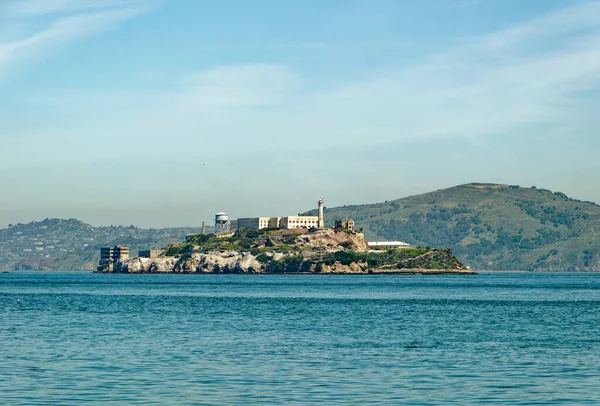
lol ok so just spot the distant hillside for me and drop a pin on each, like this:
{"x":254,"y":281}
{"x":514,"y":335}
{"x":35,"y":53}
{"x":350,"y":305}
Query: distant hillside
{"x":487,"y":226}
{"x":495,"y":227}
{"x":74,"y":245}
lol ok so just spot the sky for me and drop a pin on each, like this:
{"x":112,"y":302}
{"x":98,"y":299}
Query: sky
{"x":163,"y":112}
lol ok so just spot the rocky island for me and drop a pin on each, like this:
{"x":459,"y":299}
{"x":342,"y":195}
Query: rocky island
{"x":270,"y":251}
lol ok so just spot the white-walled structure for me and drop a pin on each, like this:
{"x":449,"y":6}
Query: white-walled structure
{"x":258,"y":223}
{"x":288,"y":222}
{"x":387,"y":244}
{"x":299,"y":222}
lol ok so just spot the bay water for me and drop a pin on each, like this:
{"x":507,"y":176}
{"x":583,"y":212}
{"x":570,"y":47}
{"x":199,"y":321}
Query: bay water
{"x":495,"y":338}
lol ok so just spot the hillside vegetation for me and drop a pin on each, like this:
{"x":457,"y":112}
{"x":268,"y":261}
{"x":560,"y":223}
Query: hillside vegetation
{"x":288,"y":251}
{"x":489,"y":226}
{"x":69,"y":244}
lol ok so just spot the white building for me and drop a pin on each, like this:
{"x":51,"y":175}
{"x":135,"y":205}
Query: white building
{"x":288,"y":222}
{"x":291,"y":222}
{"x":258,"y":223}
{"x":387,"y":244}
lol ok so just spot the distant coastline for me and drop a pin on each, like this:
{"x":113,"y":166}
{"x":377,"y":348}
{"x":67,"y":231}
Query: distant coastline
{"x":488,"y":226}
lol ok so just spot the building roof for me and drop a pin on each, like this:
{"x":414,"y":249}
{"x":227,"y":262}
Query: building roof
{"x":387,"y":244}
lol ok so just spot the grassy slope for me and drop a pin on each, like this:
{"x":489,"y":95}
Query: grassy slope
{"x":490,"y":226}
{"x":304,"y":258}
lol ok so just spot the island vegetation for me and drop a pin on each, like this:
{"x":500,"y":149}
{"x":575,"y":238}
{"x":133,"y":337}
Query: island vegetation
{"x":288,"y":251}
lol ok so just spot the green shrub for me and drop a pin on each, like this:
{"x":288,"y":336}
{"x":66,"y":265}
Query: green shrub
{"x":187,"y":248}
{"x":293,"y":264}
{"x":252,"y":233}
{"x":348,"y":257}
{"x":207,"y":237}
{"x":173,"y":251}
{"x":263,"y":258}
{"x":329,"y":259}
{"x":289,"y":240}
{"x":287,"y":264}
{"x":306,"y":265}
{"x":346,"y":244}
{"x":374,"y":260}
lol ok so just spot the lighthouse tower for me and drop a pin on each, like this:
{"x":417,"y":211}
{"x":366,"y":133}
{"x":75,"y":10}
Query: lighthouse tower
{"x":321,"y":217}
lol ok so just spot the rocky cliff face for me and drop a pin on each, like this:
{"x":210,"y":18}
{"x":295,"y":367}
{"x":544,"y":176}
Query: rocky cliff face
{"x":213,"y":262}
{"x":138,"y":265}
{"x":331,"y":240}
{"x":219,"y":262}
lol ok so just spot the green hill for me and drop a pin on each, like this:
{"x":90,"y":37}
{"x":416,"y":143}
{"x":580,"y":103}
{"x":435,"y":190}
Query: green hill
{"x":74,"y":245}
{"x":488,"y":226}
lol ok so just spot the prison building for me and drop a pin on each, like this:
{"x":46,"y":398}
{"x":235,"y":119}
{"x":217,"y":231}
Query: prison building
{"x":258,"y":223}
{"x":286,"y":223}
{"x":149,"y":253}
{"x":116,"y":253}
{"x":291,"y":222}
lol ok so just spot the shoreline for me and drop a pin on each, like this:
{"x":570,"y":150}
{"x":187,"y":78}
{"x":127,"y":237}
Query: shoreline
{"x":411,"y":271}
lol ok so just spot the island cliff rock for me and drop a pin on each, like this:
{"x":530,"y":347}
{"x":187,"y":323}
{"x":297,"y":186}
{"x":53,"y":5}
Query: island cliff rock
{"x":287,"y":251}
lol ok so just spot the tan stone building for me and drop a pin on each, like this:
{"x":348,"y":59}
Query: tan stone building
{"x":149,"y":253}
{"x":345,"y":224}
{"x":117,"y":253}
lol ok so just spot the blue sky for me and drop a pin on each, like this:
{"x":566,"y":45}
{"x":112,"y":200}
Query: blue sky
{"x":163,"y":112}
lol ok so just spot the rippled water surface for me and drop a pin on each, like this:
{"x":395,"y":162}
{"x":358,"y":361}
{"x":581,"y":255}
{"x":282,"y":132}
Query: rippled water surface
{"x":72,"y":338}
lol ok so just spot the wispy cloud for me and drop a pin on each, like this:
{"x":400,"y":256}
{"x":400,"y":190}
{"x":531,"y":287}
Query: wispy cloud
{"x":529,"y":87}
{"x":307,"y":46}
{"x":567,"y":24}
{"x":526,"y":74}
{"x":44,"y":25}
{"x":496,"y":84}
{"x":241,"y":86}
{"x":296,"y":46}
{"x":25,"y":8}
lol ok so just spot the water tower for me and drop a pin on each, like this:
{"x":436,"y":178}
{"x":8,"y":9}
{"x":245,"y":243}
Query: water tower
{"x":221,"y":223}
